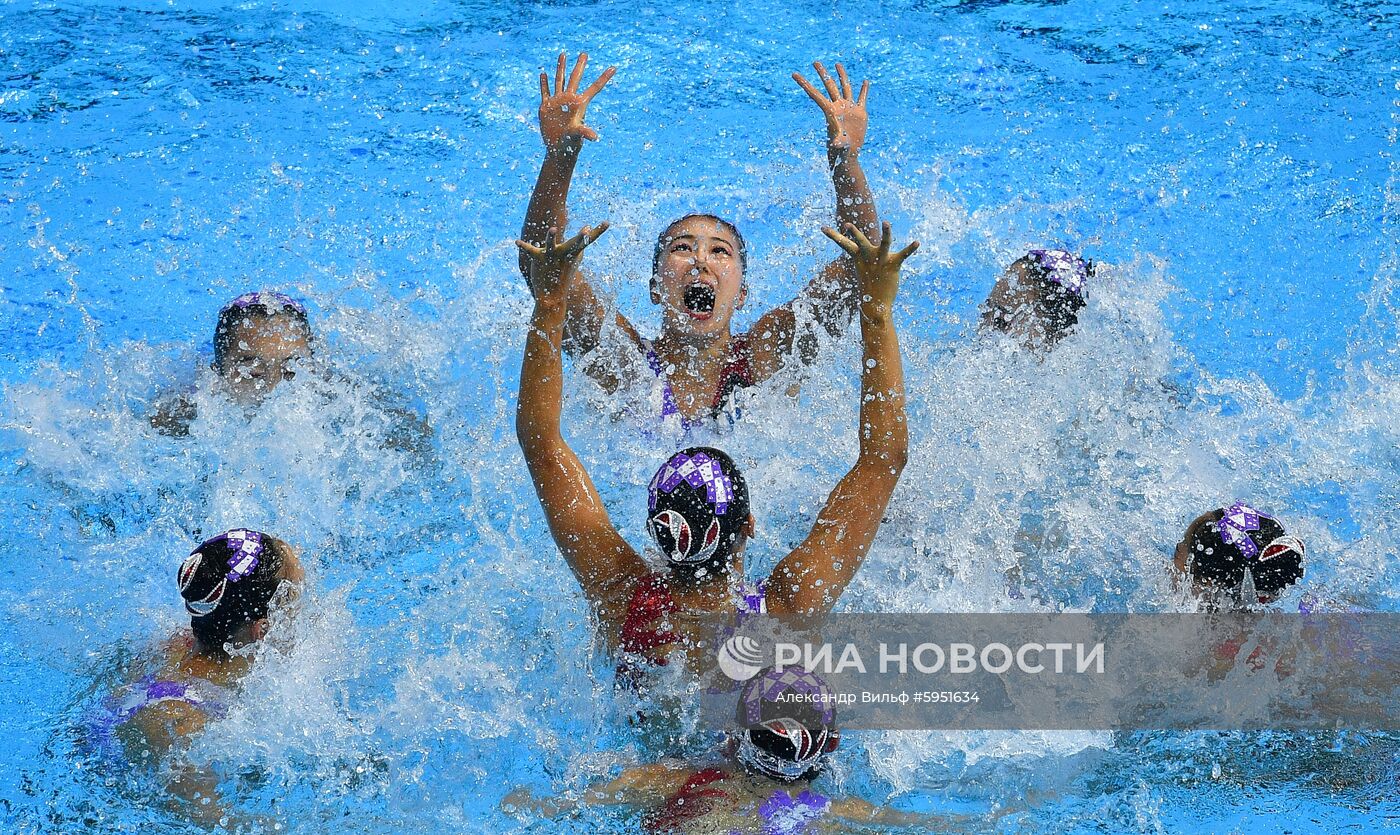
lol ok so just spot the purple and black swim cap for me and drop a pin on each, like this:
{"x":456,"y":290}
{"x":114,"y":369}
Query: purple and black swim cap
{"x":1061,"y":280}
{"x":1239,"y":539}
{"x":788,"y":723}
{"x":1064,"y":268}
{"x":697,"y":505}
{"x":229,"y":581}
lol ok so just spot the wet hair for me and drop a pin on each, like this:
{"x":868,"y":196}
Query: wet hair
{"x":226,"y":584}
{"x":1056,"y":305}
{"x":1275,"y":564}
{"x":665,"y":238}
{"x":248,"y":308}
{"x":697,"y":506}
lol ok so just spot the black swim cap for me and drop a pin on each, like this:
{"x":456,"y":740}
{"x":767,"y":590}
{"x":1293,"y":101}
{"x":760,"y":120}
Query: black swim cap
{"x":1237,"y":539}
{"x":697,"y":505}
{"x":228,"y":582}
{"x":787,"y":721}
{"x":1060,"y":279}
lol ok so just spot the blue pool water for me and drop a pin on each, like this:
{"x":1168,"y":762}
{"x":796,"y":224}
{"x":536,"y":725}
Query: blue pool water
{"x":1232,"y":166}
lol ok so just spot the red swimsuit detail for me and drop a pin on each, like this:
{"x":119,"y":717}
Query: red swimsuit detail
{"x":694,"y":799}
{"x":737,"y":373}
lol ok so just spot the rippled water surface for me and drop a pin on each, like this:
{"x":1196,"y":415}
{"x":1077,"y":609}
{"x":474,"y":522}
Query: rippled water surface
{"x":1231,"y":166}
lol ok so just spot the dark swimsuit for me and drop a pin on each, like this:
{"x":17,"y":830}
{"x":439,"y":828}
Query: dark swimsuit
{"x":737,"y":373}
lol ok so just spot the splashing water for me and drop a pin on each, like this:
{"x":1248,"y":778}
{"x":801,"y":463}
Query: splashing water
{"x":1223,"y":164}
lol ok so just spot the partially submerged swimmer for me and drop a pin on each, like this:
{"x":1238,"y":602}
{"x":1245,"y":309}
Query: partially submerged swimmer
{"x":260,"y":340}
{"x":1234,"y":557}
{"x":231,"y":586}
{"x":698,"y":503}
{"x":263,"y":340}
{"x":1038,"y":299}
{"x":699,"y":265}
{"x":786,"y":736}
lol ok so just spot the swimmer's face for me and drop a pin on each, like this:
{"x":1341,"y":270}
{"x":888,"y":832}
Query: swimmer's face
{"x":262,"y":352}
{"x":1013,"y":306}
{"x":699,"y":279}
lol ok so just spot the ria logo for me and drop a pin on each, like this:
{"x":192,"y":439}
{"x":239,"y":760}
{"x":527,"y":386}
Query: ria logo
{"x":740,"y":658}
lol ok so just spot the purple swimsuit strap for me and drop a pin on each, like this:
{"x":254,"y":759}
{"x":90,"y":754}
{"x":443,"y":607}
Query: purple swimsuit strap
{"x":753,"y":600}
{"x":784,"y":814}
{"x":668,"y":397}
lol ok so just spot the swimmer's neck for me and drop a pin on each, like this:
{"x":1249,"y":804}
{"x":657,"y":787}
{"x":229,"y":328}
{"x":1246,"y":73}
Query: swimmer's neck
{"x":690,"y":354}
{"x":709,"y":597}
{"x":214,"y":664}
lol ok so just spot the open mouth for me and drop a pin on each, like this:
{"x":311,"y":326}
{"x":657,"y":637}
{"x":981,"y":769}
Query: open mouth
{"x":700,"y":299}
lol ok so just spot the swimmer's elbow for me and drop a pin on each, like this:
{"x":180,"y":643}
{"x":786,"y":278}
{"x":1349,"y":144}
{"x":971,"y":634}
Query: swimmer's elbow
{"x":537,"y":438}
{"x":898,"y":458}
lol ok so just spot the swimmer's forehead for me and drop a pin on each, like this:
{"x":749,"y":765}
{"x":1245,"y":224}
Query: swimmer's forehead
{"x":700,"y":228}
{"x":265,"y":335}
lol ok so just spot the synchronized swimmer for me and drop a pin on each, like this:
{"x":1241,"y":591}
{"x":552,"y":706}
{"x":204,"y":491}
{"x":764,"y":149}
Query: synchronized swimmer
{"x":699,"y":265}
{"x":699,"y":508}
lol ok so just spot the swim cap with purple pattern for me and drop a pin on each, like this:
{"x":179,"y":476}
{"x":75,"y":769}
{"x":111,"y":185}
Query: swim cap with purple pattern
{"x":1064,"y":268}
{"x":266,"y":299}
{"x":698,"y":470}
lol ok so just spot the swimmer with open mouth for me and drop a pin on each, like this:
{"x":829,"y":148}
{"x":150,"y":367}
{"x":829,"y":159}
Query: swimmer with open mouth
{"x":699,"y":265}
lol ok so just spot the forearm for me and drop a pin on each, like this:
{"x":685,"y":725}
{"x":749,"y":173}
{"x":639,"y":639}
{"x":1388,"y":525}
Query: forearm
{"x":541,"y":377}
{"x":834,"y":293}
{"x":854,"y":202}
{"x":884,"y":430}
{"x":549,"y":202}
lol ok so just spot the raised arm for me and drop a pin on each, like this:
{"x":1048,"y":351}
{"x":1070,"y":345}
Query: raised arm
{"x":830,"y":298}
{"x":605,"y":565}
{"x":812,"y":578}
{"x":562,"y":110}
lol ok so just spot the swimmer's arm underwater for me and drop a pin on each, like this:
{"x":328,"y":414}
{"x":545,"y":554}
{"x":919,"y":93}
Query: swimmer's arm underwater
{"x":812,"y":577}
{"x":562,"y":110}
{"x":194,"y":791}
{"x":605,"y":565}
{"x":641,"y":785}
{"x":830,"y":298}
{"x":857,"y":811}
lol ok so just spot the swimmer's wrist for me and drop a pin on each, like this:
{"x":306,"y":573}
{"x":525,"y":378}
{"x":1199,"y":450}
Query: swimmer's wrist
{"x":550,"y":307}
{"x":842,"y":156}
{"x":565,"y":150}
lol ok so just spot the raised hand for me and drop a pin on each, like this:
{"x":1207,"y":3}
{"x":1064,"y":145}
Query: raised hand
{"x":877,"y":269}
{"x":554,"y":264}
{"x":562,"y":111}
{"x":845,"y":113}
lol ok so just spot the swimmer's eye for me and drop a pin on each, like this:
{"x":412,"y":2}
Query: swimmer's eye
{"x":720,"y":250}
{"x":680,"y":247}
